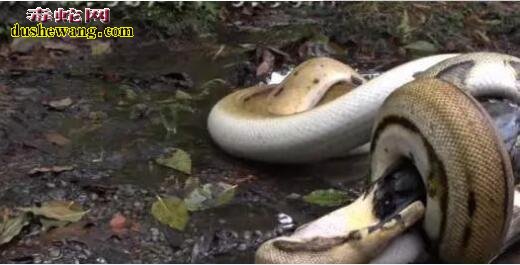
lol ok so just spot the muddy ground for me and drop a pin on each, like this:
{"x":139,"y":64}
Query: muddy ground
{"x":105,"y":109}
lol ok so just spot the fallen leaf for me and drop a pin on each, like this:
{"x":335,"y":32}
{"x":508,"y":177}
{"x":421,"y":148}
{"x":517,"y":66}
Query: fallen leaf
{"x":48,"y":224}
{"x":404,"y":28}
{"x":178,"y":160}
{"x":54,"y":169}
{"x":421,"y":47}
{"x":59,"y":210}
{"x":60,"y":104}
{"x":59,"y":45}
{"x":24,"y":45}
{"x":209,"y":196}
{"x":247,"y":178}
{"x":129,"y":94}
{"x":57,"y":139}
{"x":171,"y":211}
{"x":11,"y":227}
{"x":179,"y":94}
{"x":330,"y":197}
{"x":74,"y":231}
{"x":100,"y":47}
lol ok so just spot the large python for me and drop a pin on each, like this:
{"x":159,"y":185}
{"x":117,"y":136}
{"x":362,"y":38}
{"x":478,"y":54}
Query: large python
{"x":431,"y":123}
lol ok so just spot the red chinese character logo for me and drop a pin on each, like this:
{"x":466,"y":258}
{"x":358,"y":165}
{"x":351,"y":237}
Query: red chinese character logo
{"x":61,"y":15}
{"x":71,"y":15}
{"x":39,"y":14}
{"x":75,"y":15}
{"x":102,"y":15}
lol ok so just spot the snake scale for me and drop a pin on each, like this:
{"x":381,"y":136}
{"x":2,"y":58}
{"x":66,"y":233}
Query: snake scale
{"x":423,"y":112}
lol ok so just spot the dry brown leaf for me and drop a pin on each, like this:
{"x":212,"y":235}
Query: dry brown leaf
{"x":54,"y":169}
{"x":57,"y":139}
{"x":60,"y":104}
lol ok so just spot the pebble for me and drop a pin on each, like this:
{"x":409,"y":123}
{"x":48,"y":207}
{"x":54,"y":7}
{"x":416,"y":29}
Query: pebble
{"x":285,"y":221}
{"x":101,"y":260}
{"x":94,"y":196}
{"x":294,"y":196}
{"x":63,"y":183}
{"x":247,"y":235}
{"x":87,"y":252}
{"x":242,"y":247}
{"x":155,"y":234}
{"x":28,"y":242}
{"x":54,"y":252}
{"x":37,"y":259}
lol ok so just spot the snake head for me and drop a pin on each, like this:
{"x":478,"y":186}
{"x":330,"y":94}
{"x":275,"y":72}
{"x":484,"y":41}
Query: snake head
{"x":308,"y":83}
{"x":352,"y":234}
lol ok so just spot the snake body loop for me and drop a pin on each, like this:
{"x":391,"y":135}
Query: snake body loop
{"x":328,"y":130}
{"x":467,"y":172}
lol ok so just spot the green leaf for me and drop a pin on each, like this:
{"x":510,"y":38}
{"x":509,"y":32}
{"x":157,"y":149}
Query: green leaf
{"x":171,"y":211}
{"x":330,"y":197}
{"x":421,"y":46}
{"x":59,"y":210}
{"x":181,"y":95}
{"x":10,"y":228}
{"x":178,"y":160}
{"x":210,"y":196}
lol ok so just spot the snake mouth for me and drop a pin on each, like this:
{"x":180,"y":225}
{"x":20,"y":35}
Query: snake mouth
{"x":357,"y":232}
{"x":399,"y":187}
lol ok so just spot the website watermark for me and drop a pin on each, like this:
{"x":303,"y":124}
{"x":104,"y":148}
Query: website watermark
{"x":90,"y":33}
{"x":72,"y":16}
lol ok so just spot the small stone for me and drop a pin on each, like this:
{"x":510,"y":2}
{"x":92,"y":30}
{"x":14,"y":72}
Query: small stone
{"x":94,"y":196}
{"x":37,"y":259}
{"x":28,"y":242}
{"x":242,"y":247}
{"x":54,"y":252}
{"x":294,"y":196}
{"x":50,"y":185}
{"x":101,"y":260}
{"x":87,"y":252}
{"x":155,"y":234}
{"x":247,"y":235}
{"x":97,"y":115}
{"x":118,"y":222}
{"x":285,"y":221}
